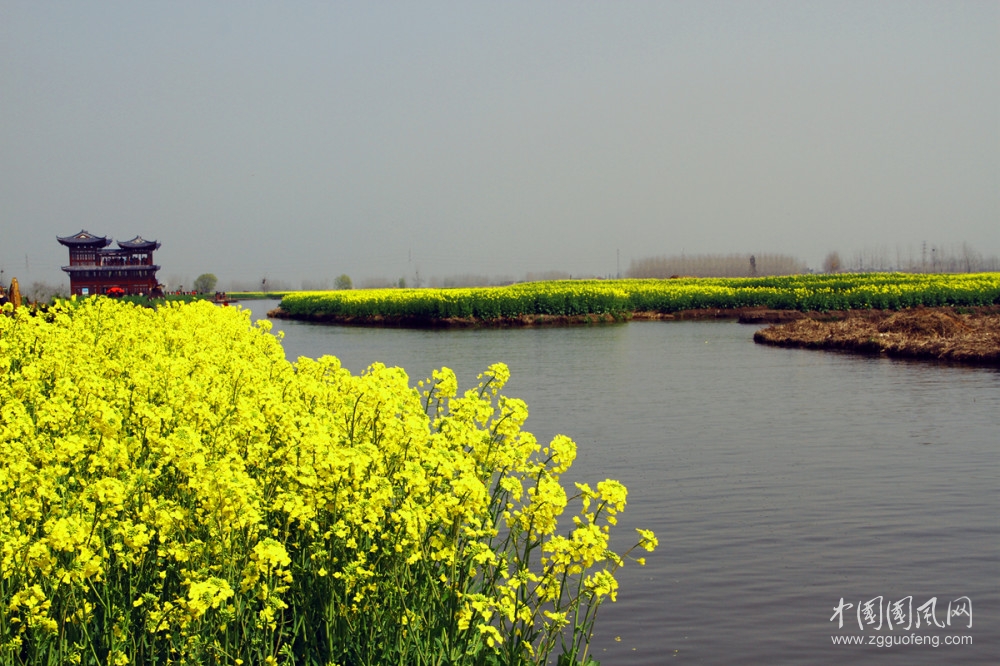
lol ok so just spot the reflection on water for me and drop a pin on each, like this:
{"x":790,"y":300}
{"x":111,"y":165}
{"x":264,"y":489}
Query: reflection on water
{"x":778,"y":481}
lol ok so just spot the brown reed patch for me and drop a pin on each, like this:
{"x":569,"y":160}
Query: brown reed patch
{"x":926,"y":333}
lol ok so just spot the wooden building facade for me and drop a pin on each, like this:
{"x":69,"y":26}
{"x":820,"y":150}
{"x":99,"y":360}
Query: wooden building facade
{"x":96,"y":268}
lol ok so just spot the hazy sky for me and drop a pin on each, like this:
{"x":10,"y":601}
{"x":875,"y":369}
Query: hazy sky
{"x":304,"y":140}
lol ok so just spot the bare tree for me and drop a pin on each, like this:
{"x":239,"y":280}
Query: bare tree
{"x":42,"y":292}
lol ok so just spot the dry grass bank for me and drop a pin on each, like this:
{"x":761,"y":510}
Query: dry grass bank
{"x":971,"y":335}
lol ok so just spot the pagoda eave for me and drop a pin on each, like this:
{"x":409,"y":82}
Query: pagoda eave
{"x":84,"y":239}
{"x":138,"y":243}
{"x":94,"y":267}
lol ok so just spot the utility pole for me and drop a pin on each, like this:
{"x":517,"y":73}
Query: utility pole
{"x":618,"y":262}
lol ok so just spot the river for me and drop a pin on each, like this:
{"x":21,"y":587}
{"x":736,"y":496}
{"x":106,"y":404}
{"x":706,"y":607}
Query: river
{"x":782,"y":484}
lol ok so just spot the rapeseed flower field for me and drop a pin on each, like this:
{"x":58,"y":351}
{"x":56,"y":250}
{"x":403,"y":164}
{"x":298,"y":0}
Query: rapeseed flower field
{"x":173,"y":491}
{"x":620,"y":298}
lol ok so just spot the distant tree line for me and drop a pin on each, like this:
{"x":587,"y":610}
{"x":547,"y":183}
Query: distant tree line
{"x":547,"y":276}
{"x":715,"y":265}
{"x":469,"y":280}
{"x":924,"y":258}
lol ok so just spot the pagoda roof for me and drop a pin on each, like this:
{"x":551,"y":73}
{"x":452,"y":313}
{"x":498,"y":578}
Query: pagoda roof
{"x":138,"y":243}
{"x":83,"y":239}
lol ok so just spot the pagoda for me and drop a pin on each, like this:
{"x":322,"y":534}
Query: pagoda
{"x":96,"y":268}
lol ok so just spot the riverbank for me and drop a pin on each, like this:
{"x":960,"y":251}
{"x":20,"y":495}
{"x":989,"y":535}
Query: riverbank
{"x":413,"y":321}
{"x":746,"y":315}
{"x":755,"y":315}
{"x":965,"y":335}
